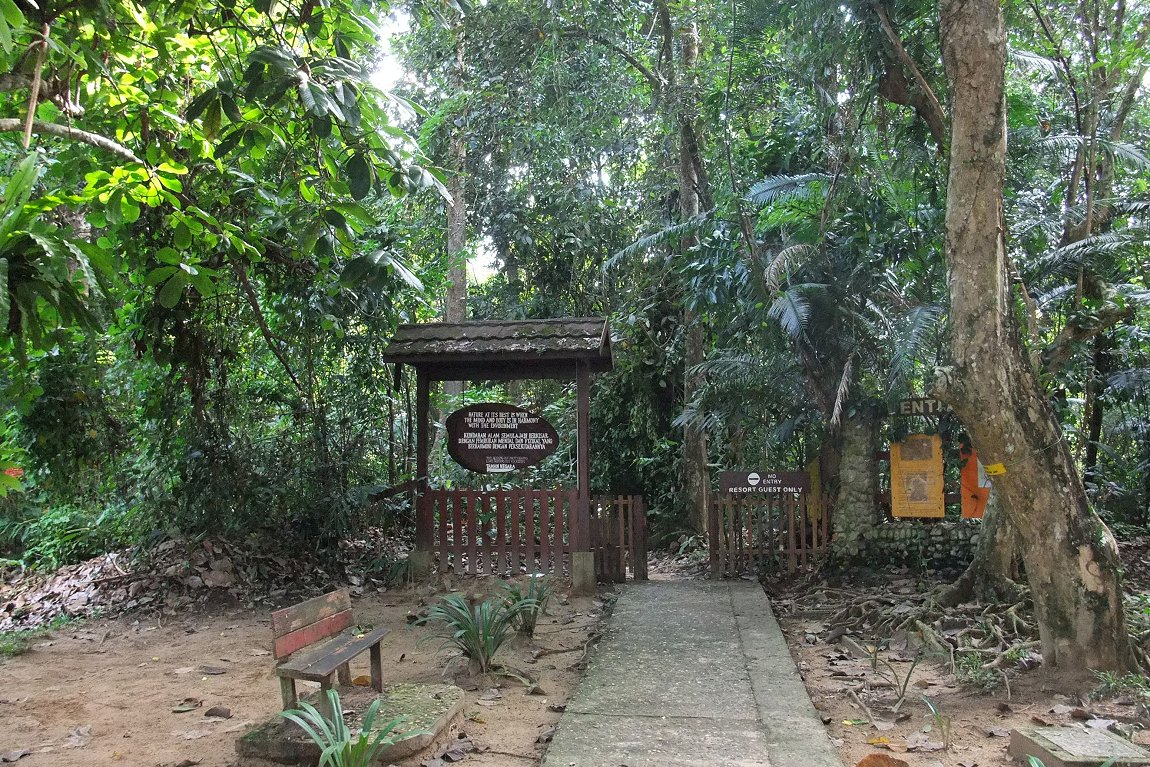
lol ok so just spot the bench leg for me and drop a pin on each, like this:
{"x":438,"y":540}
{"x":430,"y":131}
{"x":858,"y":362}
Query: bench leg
{"x":344,"y":675}
{"x":324,"y":706}
{"x":287,"y":690}
{"x":376,"y":668}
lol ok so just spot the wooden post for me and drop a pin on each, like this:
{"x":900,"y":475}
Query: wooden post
{"x":713,"y":535}
{"x":582,"y":560}
{"x":424,"y":512}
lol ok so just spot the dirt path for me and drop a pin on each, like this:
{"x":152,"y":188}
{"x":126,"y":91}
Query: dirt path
{"x":979,"y":722}
{"x":102,"y":693}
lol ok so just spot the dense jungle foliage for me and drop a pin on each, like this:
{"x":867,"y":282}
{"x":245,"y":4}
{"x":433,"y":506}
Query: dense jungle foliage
{"x":214,"y":217}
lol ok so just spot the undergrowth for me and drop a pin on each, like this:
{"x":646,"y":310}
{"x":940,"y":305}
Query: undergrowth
{"x":13,"y":643}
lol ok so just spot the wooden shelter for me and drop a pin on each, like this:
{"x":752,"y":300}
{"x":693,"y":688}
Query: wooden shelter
{"x":499,"y":351}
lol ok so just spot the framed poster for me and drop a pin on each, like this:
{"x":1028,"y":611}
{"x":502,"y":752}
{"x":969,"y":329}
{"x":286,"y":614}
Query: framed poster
{"x":916,"y":482}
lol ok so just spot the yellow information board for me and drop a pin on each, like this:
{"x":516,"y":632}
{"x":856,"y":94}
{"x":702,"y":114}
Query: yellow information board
{"x":916,"y":484}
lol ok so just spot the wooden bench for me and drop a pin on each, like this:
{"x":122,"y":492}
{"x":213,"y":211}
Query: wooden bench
{"x":295,"y":631}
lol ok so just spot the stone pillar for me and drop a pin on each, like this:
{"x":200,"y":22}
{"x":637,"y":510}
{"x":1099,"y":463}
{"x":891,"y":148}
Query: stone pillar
{"x":855,"y":510}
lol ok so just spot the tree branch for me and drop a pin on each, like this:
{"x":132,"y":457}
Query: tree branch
{"x":655,"y":81}
{"x":254,"y":303}
{"x":1061,"y":349}
{"x":921,"y":97}
{"x":12,"y":124}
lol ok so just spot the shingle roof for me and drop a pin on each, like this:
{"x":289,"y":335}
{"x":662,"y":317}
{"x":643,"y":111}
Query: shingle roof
{"x":583,"y":339}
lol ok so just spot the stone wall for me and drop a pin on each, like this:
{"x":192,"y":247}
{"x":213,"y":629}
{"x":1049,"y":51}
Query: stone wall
{"x":919,"y":544}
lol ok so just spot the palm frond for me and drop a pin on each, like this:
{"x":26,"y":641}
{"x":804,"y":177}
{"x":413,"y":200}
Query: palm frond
{"x":1067,"y":145}
{"x":1132,"y":380}
{"x":791,"y":310}
{"x":774,"y":189}
{"x":669,"y":234}
{"x":922,"y":322}
{"x":783,"y":262}
{"x":842,"y":391}
{"x":1033,"y":61}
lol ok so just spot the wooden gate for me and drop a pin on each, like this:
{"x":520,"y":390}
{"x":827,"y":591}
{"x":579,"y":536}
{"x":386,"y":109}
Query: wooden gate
{"x":501,"y":531}
{"x":768,"y":534}
{"x":619,"y":537}
{"x":511,"y":531}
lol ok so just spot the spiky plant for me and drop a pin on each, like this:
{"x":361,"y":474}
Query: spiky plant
{"x":476,"y":630}
{"x":337,"y":746}
{"x":528,"y":602}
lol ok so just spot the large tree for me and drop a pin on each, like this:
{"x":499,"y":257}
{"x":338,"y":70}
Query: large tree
{"x":1070,"y":556}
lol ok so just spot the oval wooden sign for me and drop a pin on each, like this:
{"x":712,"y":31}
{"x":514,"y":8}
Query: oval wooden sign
{"x":494,"y":438}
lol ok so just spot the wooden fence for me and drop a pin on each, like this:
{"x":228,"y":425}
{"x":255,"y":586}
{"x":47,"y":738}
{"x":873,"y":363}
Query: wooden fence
{"x":509,"y":531}
{"x":769,"y":534}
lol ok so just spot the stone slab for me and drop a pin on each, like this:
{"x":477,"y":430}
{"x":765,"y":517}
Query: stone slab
{"x":427,"y":710}
{"x":671,"y":652}
{"x":794,"y":729}
{"x":1075,"y":747}
{"x":597,"y":740}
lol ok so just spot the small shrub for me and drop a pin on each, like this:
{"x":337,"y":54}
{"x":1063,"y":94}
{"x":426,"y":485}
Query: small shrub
{"x":333,"y":736}
{"x":528,"y":604}
{"x":1111,"y":684}
{"x":478,"y":631}
{"x":13,"y":643}
{"x":969,"y":670}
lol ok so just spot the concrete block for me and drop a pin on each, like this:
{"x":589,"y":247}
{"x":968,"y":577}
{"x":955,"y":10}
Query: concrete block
{"x":1075,"y":747}
{"x":420,"y":562}
{"x":582,"y":573}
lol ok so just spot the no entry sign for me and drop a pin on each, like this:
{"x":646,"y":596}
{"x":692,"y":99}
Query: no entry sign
{"x":764,"y":482}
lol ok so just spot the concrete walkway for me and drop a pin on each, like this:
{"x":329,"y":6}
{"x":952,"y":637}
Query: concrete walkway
{"x":691,"y":673}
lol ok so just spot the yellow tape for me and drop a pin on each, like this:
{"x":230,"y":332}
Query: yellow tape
{"x":995,"y":469}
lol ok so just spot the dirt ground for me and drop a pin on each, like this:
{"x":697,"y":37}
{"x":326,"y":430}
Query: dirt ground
{"x":101,"y":693}
{"x":979,"y":722}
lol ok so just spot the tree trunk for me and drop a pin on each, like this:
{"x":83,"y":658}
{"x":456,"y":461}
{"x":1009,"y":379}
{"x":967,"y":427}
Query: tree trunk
{"x":993,"y":572}
{"x":697,"y":479}
{"x":692,"y":183}
{"x":1095,"y":409}
{"x":1071,"y":558}
{"x":455,"y":308}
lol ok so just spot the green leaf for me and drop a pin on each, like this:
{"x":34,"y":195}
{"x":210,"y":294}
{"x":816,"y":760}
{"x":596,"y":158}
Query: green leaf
{"x":200,"y":103}
{"x":20,"y":186}
{"x":158,"y":275}
{"x":181,"y":237}
{"x":5,"y":302}
{"x":11,"y":13}
{"x":9,"y":484}
{"x":360,"y":175}
{"x":129,"y":210}
{"x":231,"y":108}
{"x":5,"y":36}
{"x":173,"y":289}
{"x":212,"y":117}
